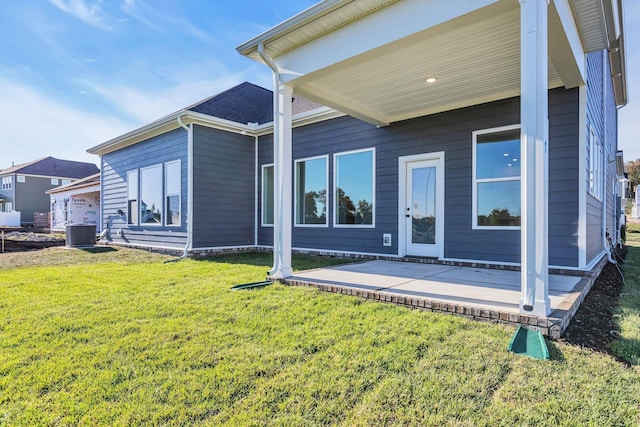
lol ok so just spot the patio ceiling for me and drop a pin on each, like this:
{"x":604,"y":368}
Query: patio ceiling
{"x":350,"y":56}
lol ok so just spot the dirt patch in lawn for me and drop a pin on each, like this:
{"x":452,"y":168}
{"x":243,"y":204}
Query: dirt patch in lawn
{"x":593,"y":324}
{"x":19,"y":241}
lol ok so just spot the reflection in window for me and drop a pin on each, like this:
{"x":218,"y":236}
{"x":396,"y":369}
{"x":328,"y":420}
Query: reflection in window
{"x":132,"y":197}
{"x":354,"y":188}
{"x":267,"y":195}
{"x":311,"y":191}
{"x":172,"y":192}
{"x":151,"y":195}
{"x":497,"y":177}
{"x":423,"y":205}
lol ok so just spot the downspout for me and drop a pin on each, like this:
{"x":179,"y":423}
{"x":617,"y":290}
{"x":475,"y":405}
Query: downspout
{"x":189,"y":220}
{"x":604,"y":206}
{"x":277,"y":238}
{"x":256,"y":213}
{"x":604,"y":162}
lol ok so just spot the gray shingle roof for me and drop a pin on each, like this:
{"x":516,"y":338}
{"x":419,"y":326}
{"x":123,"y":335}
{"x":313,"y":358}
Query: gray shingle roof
{"x":50,"y":166}
{"x":246,"y":103}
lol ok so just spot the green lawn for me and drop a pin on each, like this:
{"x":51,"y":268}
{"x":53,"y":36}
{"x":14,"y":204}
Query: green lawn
{"x":628,"y":314}
{"x":118,"y":337}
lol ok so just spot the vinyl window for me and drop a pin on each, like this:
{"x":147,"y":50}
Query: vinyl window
{"x":267,"y":195}
{"x":132,"y":197}
{"x":311,"y":177}
{"x":354,"y":188}
{"x":7,"y":182}
{"x":172,"y":192}
{"x":151,"y":204}
{"x":595,"y":166}
{"x":496,"y":178}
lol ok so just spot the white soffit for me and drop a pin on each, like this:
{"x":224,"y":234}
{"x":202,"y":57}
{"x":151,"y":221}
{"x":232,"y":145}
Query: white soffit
{"x":590,"y":17}
{"x":310,"y":24}
{"x":474,"y":63}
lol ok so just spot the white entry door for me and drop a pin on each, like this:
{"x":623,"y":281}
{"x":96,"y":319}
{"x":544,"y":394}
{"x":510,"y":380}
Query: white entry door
{"x":423,"y":206}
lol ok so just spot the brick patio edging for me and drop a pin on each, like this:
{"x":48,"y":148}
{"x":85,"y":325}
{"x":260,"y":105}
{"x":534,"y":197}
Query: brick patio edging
{"x":552,"y":326}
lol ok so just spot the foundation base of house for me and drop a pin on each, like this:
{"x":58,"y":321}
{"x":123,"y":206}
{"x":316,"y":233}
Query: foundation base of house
{"x":488,"y":295}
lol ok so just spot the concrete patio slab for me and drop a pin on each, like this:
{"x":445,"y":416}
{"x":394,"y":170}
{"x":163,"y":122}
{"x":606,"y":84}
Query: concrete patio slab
{"x":479,"y":293}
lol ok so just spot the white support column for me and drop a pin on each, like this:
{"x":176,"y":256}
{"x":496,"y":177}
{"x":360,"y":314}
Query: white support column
{"x":534,"y":117}
{"x":282,"y":172}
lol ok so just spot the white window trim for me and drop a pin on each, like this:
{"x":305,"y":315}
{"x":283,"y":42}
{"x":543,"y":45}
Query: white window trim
{"x":8,"y":206}
{"x":373,"y":183}
{"x":55,"y":181}
{"x":7,"y":182}
{"x":166,"y":194}
{"x":475,"y":181}
{"x":262,"y":194}
{"x":295,"y":192}
{"x":162,"y":201}
{"x":21,"y":178}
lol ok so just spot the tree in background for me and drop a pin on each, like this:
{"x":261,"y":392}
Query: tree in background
{"x":633,"y":168}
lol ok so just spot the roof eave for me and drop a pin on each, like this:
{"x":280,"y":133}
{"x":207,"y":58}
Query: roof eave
{"x":169,"y":123}
{"x":311,"y":14}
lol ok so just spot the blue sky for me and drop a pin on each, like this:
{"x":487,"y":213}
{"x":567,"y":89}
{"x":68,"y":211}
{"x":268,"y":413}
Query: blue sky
{"x":75,"y":73}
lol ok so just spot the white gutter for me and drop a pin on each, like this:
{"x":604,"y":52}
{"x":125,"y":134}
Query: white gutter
{"x":169,"y":123}
{"x":189,"y":245}
{"x":303,"y":18}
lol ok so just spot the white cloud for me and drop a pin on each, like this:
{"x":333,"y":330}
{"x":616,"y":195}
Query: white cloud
{"x":89,"y":12}
{"x":131,"y":8}
{"x":153,"y":17}
{"x":180,"y":86}
{"x":37,"y":125}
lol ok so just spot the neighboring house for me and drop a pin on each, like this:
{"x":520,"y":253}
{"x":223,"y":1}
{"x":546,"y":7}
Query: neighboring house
{"x":77,"y":203}
{"x":428,"y":149}
{"x":24,"y":186}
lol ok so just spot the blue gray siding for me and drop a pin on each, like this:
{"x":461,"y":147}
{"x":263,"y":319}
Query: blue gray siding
{"x":160,"y":149}
{"x":602,"y":118}
{"x":450,"y":132}
{"x":224,"y":189}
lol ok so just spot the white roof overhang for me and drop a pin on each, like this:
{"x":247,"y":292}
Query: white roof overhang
{"x":370,"y":58}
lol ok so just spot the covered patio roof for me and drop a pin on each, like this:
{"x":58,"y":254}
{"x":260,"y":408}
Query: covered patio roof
{"x":471,"y":49}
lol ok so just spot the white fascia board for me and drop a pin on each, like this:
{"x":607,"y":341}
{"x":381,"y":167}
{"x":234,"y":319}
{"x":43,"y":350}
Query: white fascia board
{"x":392,"y":23}
{"x":86,"y":188}
{"x":217,"y":123}
{"x":137,"y":135}
{"x":302,"y":119}
{"x":165,"y":125}
{"x":170,"y":123}
{"x":311,"y":14}
{"x":566,"y":52}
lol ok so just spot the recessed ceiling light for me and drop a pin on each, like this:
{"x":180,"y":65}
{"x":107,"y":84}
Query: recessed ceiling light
{"x":431,"y":79}
{"x":506,"y":154}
